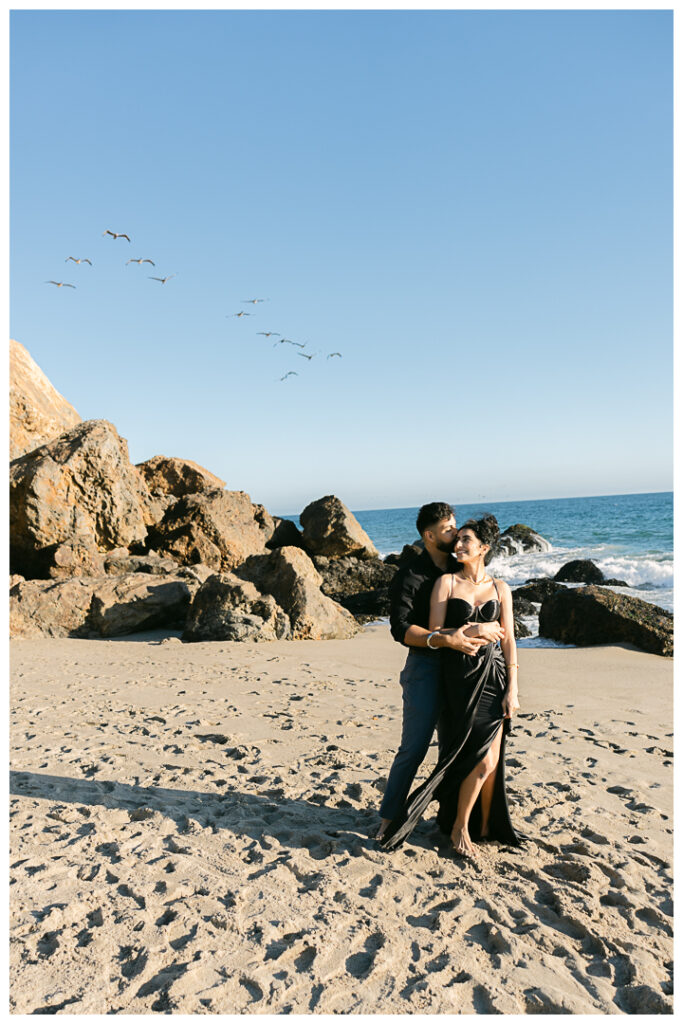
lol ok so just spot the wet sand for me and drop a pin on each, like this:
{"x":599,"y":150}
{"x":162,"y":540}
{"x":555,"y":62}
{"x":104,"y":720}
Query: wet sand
{"x":192,"y":824}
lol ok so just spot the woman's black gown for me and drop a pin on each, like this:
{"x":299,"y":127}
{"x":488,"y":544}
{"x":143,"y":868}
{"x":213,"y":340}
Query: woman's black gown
{"x":473,"y":686}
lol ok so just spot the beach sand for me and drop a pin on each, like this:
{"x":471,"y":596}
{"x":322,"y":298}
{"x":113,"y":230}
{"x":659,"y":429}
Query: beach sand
{"x":192,"y":824}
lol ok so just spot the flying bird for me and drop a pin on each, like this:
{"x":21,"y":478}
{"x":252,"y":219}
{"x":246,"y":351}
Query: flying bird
{"x":77,"y":261}
{"x":254,"y":300}
{"x":163,"y":279}
{"x":267,"y":334}
{"x":238,"y":314}
{"x":304,"y":356}
{"x":115,"y":235}
{"x":61,"y":284}
{"x":334,"y":354}
{"x":292,"y":373}
{"x":141,"y":261}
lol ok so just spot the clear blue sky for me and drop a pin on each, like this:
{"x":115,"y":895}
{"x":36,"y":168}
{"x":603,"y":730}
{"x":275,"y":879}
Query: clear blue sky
{"x":474,"y":208}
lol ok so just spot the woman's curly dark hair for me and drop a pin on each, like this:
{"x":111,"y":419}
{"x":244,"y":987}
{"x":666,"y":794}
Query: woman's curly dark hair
{"x":486,"y":530}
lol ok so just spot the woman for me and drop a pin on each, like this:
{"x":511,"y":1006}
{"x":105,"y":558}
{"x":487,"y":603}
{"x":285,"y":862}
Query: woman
{"x":480,"y":697}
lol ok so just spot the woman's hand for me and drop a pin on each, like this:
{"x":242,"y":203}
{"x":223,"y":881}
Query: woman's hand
{"x":510,"y":702}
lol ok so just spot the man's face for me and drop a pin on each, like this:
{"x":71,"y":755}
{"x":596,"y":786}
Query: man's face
{"x":443,"y":534}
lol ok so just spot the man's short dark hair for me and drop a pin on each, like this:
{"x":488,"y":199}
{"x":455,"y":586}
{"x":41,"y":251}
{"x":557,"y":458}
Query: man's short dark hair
{"x":431,"y":514}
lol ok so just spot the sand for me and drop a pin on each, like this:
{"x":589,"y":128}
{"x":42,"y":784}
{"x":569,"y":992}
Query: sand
{"x":192,"y":825}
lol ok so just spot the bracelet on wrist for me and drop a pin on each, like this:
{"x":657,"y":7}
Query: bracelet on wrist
{"x":433,"y":633}
{"x":512,"y":664}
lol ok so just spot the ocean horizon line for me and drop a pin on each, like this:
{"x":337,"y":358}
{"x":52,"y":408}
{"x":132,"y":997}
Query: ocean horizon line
{"x":498,"y":501}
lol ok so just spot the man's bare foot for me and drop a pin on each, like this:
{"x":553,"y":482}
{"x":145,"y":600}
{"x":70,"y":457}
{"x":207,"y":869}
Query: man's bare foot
{"x":462,"y":843}
{"x":384,"y":824}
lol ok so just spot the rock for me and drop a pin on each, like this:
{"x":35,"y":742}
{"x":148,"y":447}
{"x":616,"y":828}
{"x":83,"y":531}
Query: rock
{"x":536,"y":590}
{"x":409,"y":552}
{"x":177,"y":477}
{"x":79,"y":485}
{"x":521,"y":605}
{"x":51,"y":608}
{"x":289,"y":575}
{"x":518,"y":539}
{"x":615,"y":583}
{"x":218,"y":528}
{"x":14,"y":579}
{"x":78,"y":556}
{"x":121,"y":563}
{"x":37,"y":412}
{"x":359,"y":585}
{"x":228,"y":608}
{"x":594,"y":615}
{"x":521,"y":630}
{"x":330,"y":529}
{"x":88,"y":607}
{"x":265,"y":521}
{"x":580,"y":570}
{"x":138,"y":601}
{"x":285,"y":535}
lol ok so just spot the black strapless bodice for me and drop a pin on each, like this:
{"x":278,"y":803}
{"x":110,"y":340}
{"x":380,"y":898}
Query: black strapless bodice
{"x":458,"y":612}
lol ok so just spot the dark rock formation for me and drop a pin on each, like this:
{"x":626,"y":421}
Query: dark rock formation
{"x":228,"y":608}
{"x":359,"y":585}
{"x":177,"y":477}
{"x":522,"y":605}
{"x":580,"y":570}
{"x":519,"y":538}
{"x":521,"y":630}
{"x":218,"y":528}
{"x":80,"y":485}
{"x":289,"y":575}
{"x":37,"y":413}
{"x":537,"y":590}
{"x":330,"y":529}
{"x":594,"y":615}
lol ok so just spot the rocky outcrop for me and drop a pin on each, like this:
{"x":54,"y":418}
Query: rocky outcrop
{"x":330,"y":529}
{"x":536,"y":590}
{"x":521,"y":630}
{"x":359,"y":585}
{"x":584,"y":570}
{"x":80,"y":485}
{"x":228,"y":608}
{"x":594,"y":615}
{"x":177,"y":477}
{"x":285,"y":535}
{"x":37,"y":412}
{"x":218,"y":528}
{"x":522,"y":605}
{"x":518,"y":539}
{"x":289,"y":575}
{"x":88,"y":607}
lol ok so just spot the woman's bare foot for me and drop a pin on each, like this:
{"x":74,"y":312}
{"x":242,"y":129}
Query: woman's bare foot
{"x":462,"y":843}
{"x":384,"y":824}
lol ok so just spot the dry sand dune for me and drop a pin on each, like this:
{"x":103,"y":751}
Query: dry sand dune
{"x":191,"y":833}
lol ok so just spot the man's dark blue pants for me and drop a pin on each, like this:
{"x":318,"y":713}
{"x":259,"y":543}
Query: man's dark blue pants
{"x":421,"y":708}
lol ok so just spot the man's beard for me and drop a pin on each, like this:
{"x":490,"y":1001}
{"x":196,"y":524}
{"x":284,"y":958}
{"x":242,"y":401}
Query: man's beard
{"x":447,"y":546}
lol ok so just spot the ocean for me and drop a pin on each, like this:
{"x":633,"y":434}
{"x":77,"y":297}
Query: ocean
{"x":628,"y":536}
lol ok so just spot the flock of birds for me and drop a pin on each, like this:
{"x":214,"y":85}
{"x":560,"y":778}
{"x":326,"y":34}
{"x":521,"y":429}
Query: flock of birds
{"x":267,"y":334}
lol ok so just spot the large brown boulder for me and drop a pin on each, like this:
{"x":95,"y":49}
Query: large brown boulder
{"x":595,"y":615}
{"x":80,"y":485}
{"x":177,"y":477}
{"x":37,"y":412}
{"x":218,"y":528}
{"x":289,"y":575}
{"x":285,"y":534}
{"x":228,"y":608}
{"x":88,"y":607}
{"x":330,"y":529}
{"x":359,"y":585}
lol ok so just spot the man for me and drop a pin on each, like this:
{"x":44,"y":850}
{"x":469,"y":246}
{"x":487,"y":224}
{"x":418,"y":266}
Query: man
{"x":410,"y":595}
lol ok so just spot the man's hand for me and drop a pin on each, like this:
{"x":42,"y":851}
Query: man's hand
{"x":489,"y":631}
{"x":457,"y":641}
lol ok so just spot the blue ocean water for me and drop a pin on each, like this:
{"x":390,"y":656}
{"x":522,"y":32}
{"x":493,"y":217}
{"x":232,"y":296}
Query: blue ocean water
{"x":629,"y":536}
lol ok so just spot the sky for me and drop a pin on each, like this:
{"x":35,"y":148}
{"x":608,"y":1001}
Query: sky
{"x":473,"y":207}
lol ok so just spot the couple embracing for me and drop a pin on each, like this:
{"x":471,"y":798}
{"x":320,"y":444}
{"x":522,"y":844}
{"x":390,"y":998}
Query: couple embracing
{"x":460,"y":676}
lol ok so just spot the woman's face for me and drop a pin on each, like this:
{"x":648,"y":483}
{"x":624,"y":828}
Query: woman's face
{"x":468,"y":546}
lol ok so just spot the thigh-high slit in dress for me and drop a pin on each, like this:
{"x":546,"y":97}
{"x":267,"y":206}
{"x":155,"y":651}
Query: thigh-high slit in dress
{"x":473,"y":686}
